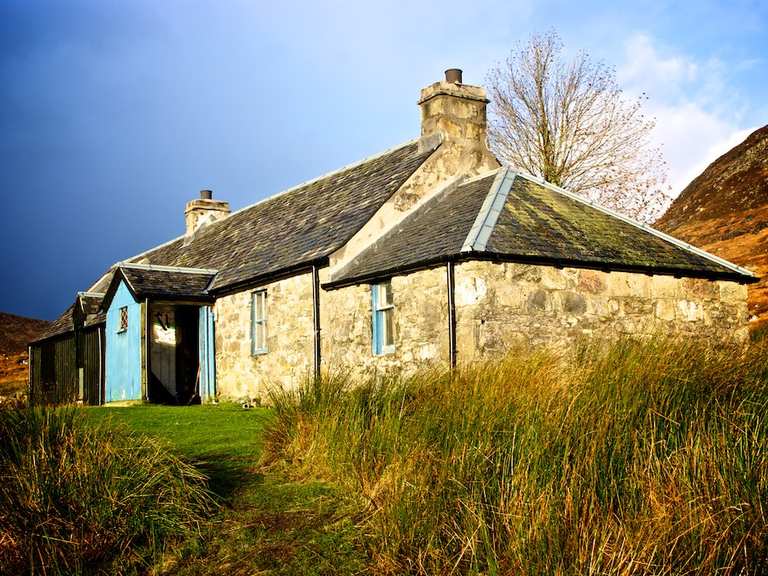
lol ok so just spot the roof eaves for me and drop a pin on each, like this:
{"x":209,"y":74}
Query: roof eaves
{"x":644,"y":227}
{"x":377,"y":275}
{"x":477,"y":238}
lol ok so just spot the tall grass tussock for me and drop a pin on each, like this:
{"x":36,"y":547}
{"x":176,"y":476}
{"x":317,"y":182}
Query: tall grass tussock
{"x":625,"y":458}
{"x":79,"y":498}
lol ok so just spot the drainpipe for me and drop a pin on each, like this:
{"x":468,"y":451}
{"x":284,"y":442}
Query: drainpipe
{"x":316,"y":319}
{"x":451,"y":314}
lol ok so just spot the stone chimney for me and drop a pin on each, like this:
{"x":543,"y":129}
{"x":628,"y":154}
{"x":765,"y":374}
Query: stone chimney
{"x":203,"y":211}
{"x":457,"y":112}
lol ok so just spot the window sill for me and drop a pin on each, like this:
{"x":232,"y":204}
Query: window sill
{"x":259,"y":352}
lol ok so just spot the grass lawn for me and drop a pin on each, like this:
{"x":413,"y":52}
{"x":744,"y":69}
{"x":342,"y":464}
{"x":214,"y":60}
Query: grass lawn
{"x":267,"y":524}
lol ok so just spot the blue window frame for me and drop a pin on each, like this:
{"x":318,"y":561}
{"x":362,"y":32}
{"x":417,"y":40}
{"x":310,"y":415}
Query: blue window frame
{"x":259,"y":322}
{"x":383,"y":319}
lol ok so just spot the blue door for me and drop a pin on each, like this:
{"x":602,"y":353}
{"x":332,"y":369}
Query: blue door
{"x":123,"y":350}
{"x":207,"y":355}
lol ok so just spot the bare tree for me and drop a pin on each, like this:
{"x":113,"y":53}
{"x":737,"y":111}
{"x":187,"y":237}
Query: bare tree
{"x":569,"y":123}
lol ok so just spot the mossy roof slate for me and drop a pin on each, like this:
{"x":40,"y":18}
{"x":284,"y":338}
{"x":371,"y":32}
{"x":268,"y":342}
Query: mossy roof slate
{"x":536,"y":223}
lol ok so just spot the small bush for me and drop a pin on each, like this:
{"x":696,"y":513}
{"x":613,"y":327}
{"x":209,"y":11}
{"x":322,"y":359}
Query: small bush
{"x":82,"y":498}
{"x":623,"y":459}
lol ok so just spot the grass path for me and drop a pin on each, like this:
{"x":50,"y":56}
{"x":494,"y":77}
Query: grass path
{"x":267,"y":524}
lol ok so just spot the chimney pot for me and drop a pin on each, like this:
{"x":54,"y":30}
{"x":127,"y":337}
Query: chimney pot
{"x":453,"y":75}
{"x":206,"y":194}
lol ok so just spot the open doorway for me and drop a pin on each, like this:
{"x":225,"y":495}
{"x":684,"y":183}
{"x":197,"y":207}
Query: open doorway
{"x":173,"y":354}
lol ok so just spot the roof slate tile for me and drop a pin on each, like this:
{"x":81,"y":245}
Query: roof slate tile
{"x":536,"y":223}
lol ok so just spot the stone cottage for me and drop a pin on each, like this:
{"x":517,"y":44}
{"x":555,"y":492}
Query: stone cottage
{"x":430,"y":252}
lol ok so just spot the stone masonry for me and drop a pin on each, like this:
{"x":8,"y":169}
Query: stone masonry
{"x":421,"y":324}
{"x":498,"y":304}
{"x":290,"y":333}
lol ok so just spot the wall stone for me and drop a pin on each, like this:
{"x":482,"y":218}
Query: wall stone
{"x":290,"y":337}
{"x":497,"y":304}
{"x":421,"y":324}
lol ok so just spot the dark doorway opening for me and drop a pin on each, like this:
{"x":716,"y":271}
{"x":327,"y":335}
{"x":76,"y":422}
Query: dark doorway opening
{"x":173,"y":354}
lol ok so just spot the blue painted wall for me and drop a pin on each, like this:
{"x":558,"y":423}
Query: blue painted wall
{"x":123,"y":377}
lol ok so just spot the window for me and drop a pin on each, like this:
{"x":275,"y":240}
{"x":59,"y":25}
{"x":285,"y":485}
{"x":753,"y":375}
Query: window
{"x":123,"y":326}
{"x":383,"y":318}
{"x":259,"y":322}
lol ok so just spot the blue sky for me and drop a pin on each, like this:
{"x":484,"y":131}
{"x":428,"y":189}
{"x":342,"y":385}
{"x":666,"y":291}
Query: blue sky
{"x":114,"y":114}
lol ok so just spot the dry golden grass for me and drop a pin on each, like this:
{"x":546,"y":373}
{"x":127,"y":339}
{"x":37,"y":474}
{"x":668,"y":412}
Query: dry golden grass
{"x":621,"y":459}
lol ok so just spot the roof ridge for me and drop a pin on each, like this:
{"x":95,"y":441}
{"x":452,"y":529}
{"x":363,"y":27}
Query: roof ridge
{"x":329,"y":174}
{"x":161,"y":268}
{"x":488,"y":215}
{"x":666,"y":237}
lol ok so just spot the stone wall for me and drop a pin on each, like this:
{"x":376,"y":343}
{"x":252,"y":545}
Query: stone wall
{"x":421,"y":324}
{"x":290,"y":333}
{"x":497,"y":304}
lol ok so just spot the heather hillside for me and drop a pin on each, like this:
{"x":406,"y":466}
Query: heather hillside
{"x":725,"y":211}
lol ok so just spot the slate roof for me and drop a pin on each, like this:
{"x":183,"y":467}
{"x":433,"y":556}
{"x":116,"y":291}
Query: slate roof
{"x":62,"y":325}
{"x":89,"y":310}
{"x":165,"y":283}
{"x":526,"y":221}
{"x":435,"y":231}
{"x":294,"y":228}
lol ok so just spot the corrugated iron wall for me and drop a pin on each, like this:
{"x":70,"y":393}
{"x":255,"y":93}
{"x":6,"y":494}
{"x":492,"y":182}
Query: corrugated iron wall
{"x":91,"y":361}
{"x":54,"y":371}
{"x":68,"y":369}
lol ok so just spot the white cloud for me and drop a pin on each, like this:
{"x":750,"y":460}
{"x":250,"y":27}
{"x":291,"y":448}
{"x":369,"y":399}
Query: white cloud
{"x":698,"y":116}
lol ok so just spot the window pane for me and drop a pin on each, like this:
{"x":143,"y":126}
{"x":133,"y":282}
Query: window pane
{"x":386,"y":296}
{"x":389,"y":327}
{"x":259,"y":305}
{"x":259,"y":340}
{"x":259,"y":328}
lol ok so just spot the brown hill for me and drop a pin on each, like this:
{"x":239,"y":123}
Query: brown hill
{"x":15,"y":334}
{"x":725,"y":211}
{"x":17,"y":331}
